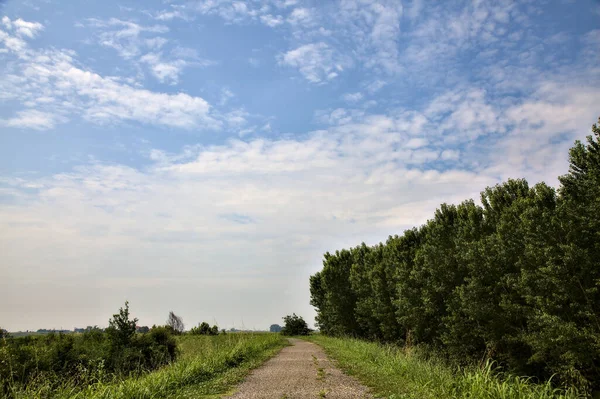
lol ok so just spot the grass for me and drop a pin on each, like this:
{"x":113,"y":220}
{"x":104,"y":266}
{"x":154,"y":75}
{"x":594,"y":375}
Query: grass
{"x":208,"y":367}
{"x":394,"y":373}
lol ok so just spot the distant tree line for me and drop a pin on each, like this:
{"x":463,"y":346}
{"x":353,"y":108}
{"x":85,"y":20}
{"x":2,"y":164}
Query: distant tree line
{"x":516,"y":280}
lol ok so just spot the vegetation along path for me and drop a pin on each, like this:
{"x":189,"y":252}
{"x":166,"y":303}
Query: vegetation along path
{"x":300,"y":371}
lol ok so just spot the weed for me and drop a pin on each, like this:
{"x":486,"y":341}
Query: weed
{"x":320,"y":374}
{"x":391,"y":372}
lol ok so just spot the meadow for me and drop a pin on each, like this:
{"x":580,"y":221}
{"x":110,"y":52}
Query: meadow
{"x":206,"y":366}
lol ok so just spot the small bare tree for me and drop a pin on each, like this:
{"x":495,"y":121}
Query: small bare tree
{"x":175,"y":322}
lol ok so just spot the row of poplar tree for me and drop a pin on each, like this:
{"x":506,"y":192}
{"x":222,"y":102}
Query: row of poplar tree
{"x":516,"y":280}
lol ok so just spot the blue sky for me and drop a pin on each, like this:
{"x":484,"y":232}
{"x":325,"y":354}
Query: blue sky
{"x":201,"y":156}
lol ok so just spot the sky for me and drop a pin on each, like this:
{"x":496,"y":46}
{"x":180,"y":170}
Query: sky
{"x":201,"y":156}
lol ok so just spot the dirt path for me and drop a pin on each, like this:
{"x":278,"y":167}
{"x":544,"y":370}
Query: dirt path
{"x":300,"y":371}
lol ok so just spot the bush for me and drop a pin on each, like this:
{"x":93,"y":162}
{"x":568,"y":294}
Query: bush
{"x":205,"y":329}
{"x":295,"y":325}
{"x":58,"y":359}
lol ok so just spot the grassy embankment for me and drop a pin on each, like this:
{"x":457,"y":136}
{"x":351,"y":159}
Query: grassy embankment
{"x":393,"y":372}
{"x":208,"y":366}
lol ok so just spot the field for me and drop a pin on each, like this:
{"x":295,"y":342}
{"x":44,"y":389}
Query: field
{"x":207,"y":366}
{"x":395,"y":373}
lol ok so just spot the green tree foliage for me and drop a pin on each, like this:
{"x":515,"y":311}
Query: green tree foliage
{"x":275,"y":328}
{"x":294,"y":325}
{"x":121,"y":329}
{"x":338,"y":296}
{"x":515,"y":280}
{"x":205,"y":329}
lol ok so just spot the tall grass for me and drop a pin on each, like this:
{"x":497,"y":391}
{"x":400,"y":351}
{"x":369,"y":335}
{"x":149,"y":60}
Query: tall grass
{"x":208,"y":365}
{"x":396,"y":373}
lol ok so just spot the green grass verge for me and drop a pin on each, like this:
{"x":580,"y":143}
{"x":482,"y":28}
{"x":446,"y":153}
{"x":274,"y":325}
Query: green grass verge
{"x":394,"y":373}
{"x":208,"y":367}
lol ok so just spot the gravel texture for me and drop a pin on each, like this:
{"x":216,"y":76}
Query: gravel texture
{"x":300,"y":371}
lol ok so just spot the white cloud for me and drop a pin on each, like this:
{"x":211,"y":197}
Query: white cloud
{"x":301,"y":16}
{"x":469,"y":114}
{"x":450,"y":155}
{"x":71,"y":90}
{"x":271,"y":20}
{"x":12,"y":43}
{"x":33,"y":119}
{"x":266,"y":127}
{"x":317,"y":62}
{"x":29,"y":29}
{"x":15,"y":42}
{"x":176,"y":11}
{"x":6,"y":22}
{"x":237,"y":118}
{"x":374,"y":27}
{"x":375,"y":86}
{"x":226,"y":95}
{"x":164,"y":71}
{"x":126,"y":36}
{"x":352,"y":97}
{"x":155,"y":42}
{"x":230,"y":11}
{"x":169,"y":69}
{"x":416,"y":142}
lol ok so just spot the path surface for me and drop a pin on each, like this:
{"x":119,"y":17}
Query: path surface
{"x":300,"y":371}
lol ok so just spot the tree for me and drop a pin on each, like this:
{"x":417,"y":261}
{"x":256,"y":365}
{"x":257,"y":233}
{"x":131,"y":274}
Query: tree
{"x":332,"y":294}
{"x":175,"y":322}
{"x":205,"y":329}
{"x":3,"y":333}
{"x":516,"y":280}
{"x":275,"y":328}
{"x":294,"y":325}
{"x":121,"y":329}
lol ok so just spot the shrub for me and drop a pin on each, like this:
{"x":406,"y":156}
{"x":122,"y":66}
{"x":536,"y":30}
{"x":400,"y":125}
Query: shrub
{"x":79,"y":360}
{"x":204,"y":329}
{"x":294,"y":325}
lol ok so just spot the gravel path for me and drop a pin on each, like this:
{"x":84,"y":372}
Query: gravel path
{"x":300,"y":371}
